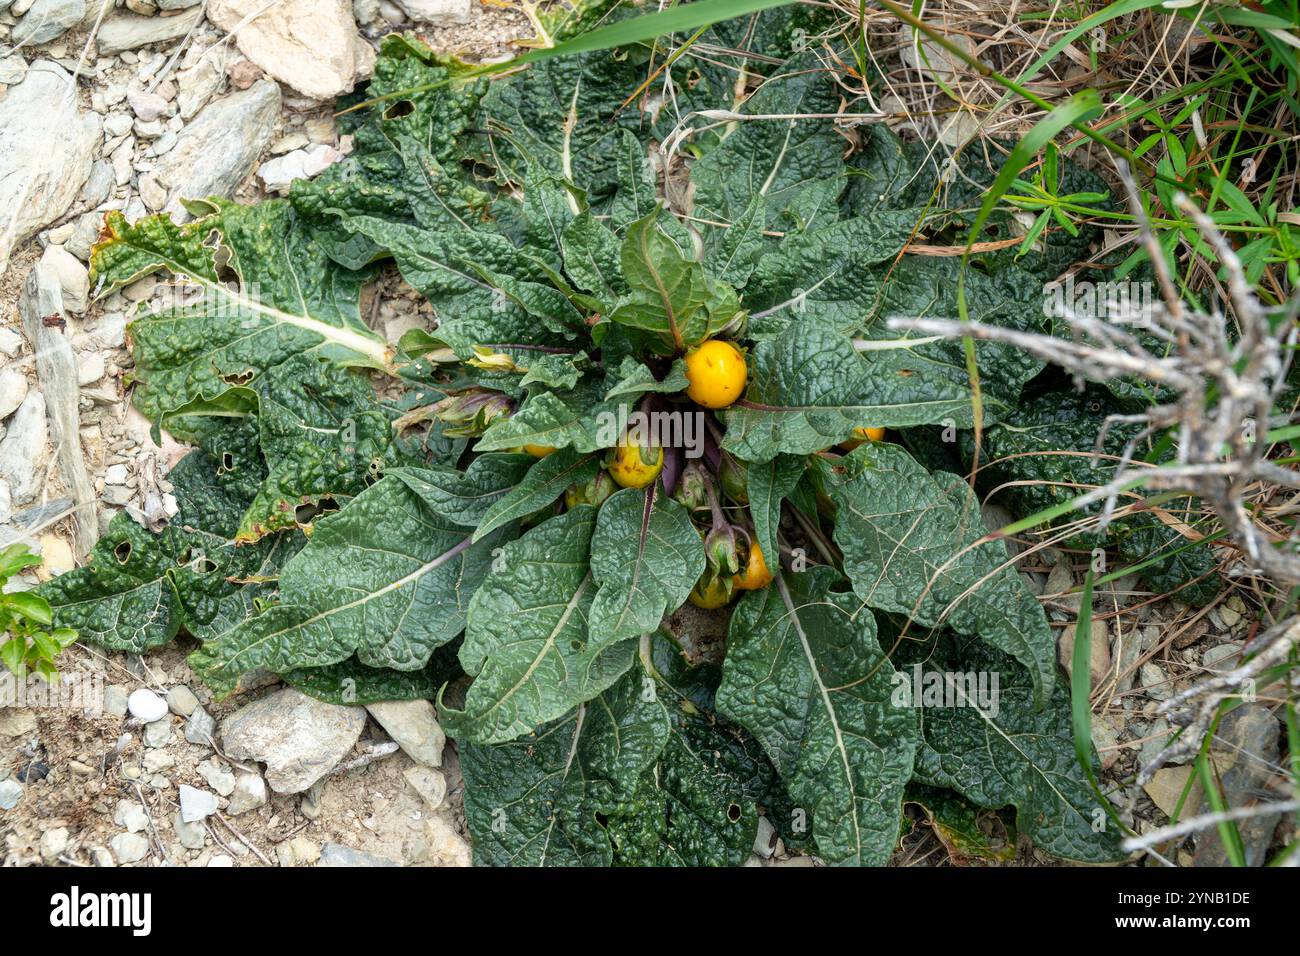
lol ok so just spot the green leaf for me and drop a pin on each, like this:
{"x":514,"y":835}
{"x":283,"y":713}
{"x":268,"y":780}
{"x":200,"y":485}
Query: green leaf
{"x":387,"y":578}
{"x":592,"y":258}
{"x":15,"y":558}
{"x":808,"y":391}
{"x":1042,"y":455}
{"x":698,"y":806}
{"x":767,"y":485}
{"x":546,"y":480}
{"x":914,"y":545}
{"x":291,"y":299}
{"x":805,"y":675}
{"x":1021,"y":755}
{"x":29,"y":605}
{"x":139,"y":589}
{"x":645,"y":558}
{"x":537,"y":801}
{"x":354,"y":684}
{"x":468,"y":497}
{"x":635,"y":379}
{"x":14,"y":654}
{"x":526,"y":640}
{"x":956,"y":823}
{"x":774,"y":158}
{"x":670,"y":294}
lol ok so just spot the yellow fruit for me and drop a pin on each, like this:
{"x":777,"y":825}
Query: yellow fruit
{"x":709,"y":594}
{"x":635,"y":466}
{"x":755,"y":575}
{"x":539,"y":451}
{"x":863,"y":434}
{"x":716,"y":372}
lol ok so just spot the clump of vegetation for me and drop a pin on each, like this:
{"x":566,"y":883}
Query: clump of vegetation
{"x":661,"y":373}
{"x":28,"y":645}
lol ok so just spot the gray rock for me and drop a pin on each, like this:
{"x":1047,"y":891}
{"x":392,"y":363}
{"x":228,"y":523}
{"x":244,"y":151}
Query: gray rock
{"x":197,"y":84}
{"x":440,"y":13}
{"x":145,"y":105}
{"x":193,"y":836}
{"x":156,"y":761}
{"x":200,"y":727}
{"x":86,"y":232}
{"x":12,"y":70}
{"x":158,"y":733}
{"x":13,"y":389}
{"x":196,"y":804}
{"x":115,"y":700}
{"x":1222,"y":657}
{"x":181,"y":701}
{"x":311,"y":800}
{"x":20,"y":724}
{"x":299,"y":738}
{"x":216,"y":152}
{"x":310,"y":45}
{"x":48,"y":19}
{"x":1244,"y":753}
{"x":218,"y":777}
{"x":146,"y":706}
{"x":11,"y":791}
{"x":129,"y":847}
{"x":117,"y":125}
{"x":11,"y":343}
{"x":765,"y":839}
{"x":429,"y":783}
{"x":97,"y":187}
{"x":1155,"y":682}
{"x":53,"y":843}
{"x":1161,"y":735}
{"x":45,"y":152}
{"x":46,"y":290}
{"x":127,"y":32}
{"x":336,"y":854}
{"x":250,"y":794}
{"x":25,"y":450}
{"x":130,"y":815}
{"x":74,"y":280}
{"x":414,"y":725}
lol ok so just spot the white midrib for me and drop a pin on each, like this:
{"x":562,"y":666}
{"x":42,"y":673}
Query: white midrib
{"x":392,"y":586}
{"x":780,"y":158}
{"x":376,"y":351}
{"x":830,"y":710}
{"x":566,"y":155}
{"x":546,"y":646}
{"x":564,"y":775}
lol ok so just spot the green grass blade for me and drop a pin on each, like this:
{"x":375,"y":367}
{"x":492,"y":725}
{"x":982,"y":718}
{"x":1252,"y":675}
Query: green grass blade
{"x":1080,"y":705}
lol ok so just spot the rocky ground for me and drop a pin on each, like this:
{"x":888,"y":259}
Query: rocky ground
{"x":131,"y":106}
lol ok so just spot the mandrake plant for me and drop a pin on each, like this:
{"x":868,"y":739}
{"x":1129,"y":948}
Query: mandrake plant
{"x":654,"y":379}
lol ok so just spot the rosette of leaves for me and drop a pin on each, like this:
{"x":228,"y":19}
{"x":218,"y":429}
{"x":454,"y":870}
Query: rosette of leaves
{"x":383,"y":505}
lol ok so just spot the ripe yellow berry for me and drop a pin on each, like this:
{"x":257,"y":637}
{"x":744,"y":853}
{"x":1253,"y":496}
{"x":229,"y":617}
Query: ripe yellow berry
{"x":635,"y":466}
{"x":539,"y":451}
{"x":755,"y":574}
{"x":863,"y":434}
{"x":709,"y":594}
{"x":717,"y":373}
